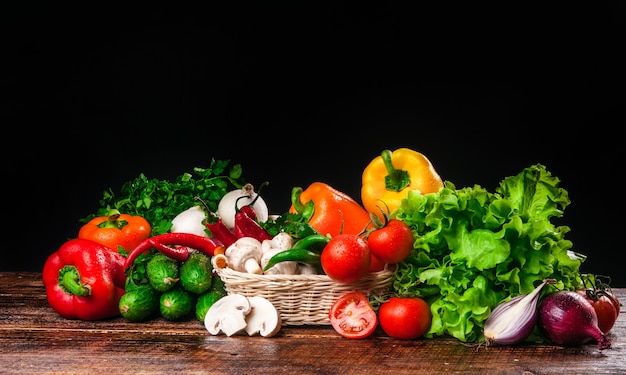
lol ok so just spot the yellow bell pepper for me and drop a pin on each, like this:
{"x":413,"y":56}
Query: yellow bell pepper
{"x":388,"y":178}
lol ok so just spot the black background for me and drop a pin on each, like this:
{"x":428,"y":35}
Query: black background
{"x":298,"y":92}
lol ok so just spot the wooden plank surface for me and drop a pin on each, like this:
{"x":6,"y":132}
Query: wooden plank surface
{"x":34,"y":339}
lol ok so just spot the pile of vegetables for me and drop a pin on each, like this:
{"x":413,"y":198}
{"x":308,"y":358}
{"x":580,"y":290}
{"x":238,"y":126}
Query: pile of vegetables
{"x":159,"y":285}
{"x":479,"y":266}
{"x":167,"y":271}
{"x":476,"y":248}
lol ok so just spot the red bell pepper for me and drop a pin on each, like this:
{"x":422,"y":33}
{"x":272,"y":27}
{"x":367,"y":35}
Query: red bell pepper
{"x":84,"y":280}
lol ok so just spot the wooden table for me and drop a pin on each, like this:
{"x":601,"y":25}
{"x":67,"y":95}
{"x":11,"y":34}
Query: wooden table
{"x":34,"y":339}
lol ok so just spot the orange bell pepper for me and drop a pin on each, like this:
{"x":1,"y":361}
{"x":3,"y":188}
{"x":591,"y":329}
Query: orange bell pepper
{"x":329,"y":210}
{"x":388,"y":178}
{"x":116,"y":229}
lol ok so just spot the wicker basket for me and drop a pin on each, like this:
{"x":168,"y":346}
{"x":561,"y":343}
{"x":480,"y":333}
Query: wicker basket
{"x":302,"y":299}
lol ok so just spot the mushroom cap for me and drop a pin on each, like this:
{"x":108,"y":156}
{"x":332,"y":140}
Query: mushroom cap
{"x":264,"y":318}
{"x":243,"y":254}
{"x":282,"y":241}
{"x":228,"y":315}
{"x":282,"y":268}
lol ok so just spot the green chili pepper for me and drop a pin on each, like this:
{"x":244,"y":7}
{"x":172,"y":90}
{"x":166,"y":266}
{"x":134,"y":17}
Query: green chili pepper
{"x":306,"y":250}
{"x":294,"y":255}
{"x":314,"y":242}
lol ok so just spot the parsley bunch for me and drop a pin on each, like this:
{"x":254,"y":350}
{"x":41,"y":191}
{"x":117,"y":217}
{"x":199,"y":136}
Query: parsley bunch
{"x":159,"y":201}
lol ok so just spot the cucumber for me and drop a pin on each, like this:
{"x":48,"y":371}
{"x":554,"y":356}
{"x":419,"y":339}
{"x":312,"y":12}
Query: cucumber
{"x":218,"y":284}
{"x":196,"y":273}
{"x":140,"y":303}
{"x":205,"y":301}
{"x":162,"y":272}
{"x":177,"y":303}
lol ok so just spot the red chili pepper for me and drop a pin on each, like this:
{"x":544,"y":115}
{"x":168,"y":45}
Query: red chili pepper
{"x":84,"y":280}
{"x":221,"y":232}
{"x":247,"y":226}
{"x":218,"y":229}
{"x":175,"y":246}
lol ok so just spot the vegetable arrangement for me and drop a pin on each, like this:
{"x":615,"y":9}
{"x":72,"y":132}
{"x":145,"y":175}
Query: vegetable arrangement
{"x":475,"y":265}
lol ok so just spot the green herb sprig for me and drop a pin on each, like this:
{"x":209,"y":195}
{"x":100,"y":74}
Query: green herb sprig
{"x":159,"y":201}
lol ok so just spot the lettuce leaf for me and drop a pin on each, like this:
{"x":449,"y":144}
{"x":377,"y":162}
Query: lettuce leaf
{"x":476,"y":248}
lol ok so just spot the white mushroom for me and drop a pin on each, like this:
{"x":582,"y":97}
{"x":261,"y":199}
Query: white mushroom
{"x":244,"y":255}
{"x":280,"y":242}
{"x":281,"y":268}
{"x":228,"y":315}
{"x":307,"y":269}
{"x":264,"y":319}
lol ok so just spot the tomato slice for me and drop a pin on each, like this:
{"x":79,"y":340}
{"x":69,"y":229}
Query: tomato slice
{"x":352,"y":316}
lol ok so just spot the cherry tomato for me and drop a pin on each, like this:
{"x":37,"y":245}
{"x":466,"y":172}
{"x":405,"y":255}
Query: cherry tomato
{"x":405,"y":317}
{"x":606,"y":304}
{"x":391,"y":243}
{"x":352,"y":316}
{"x":346,"y":258}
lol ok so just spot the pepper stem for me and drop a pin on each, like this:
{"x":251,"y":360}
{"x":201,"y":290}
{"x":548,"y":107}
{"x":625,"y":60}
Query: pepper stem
{"x":113,"y":220}
{"x":305,"y":210}
{"x":69,"y":280}
{"x":396,"y":179}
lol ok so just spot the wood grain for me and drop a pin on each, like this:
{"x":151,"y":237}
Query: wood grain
{"x":34,"y":339}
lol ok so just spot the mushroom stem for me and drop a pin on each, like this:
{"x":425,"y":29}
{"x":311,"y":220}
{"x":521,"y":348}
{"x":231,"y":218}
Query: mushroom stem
{"x":251,"y":265}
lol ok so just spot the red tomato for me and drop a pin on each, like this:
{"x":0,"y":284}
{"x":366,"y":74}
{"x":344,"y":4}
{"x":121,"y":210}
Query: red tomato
{"x":607,"y":307}
{"x":352,"y":316}
{"x":392,"y":243}
{"x":405,"y":317}
{"x":346,"y":258}
{"x":376,"y":265}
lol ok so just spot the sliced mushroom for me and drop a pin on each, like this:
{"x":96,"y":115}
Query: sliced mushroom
{"x":228,"y":315}
{"x":264,"y":319}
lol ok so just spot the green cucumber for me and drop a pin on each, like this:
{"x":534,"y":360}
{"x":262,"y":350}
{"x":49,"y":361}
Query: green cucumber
{"x":163,"y":272}
{"x":196,"y":273}
{"x":140,"y":303}
{"x":205,"y":301}
{"x":218,"y":284}
{"x":177,"y":303}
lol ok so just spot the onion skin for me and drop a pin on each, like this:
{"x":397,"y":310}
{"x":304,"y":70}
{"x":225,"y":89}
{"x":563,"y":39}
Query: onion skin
{"x":567,"y":319}
{"x":513,"y":321}
{"x":226,"y":209}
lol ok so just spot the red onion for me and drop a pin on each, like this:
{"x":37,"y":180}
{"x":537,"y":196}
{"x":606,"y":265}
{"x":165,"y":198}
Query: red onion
{"x":513,"y":321}
{"x":566,"y":318}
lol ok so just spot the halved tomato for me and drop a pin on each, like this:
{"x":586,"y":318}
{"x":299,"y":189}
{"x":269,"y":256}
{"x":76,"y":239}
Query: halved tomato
{"x":352,"y":316}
